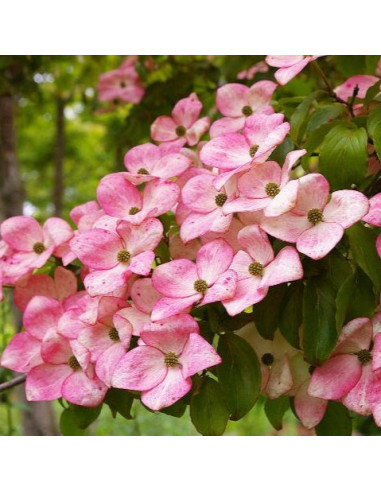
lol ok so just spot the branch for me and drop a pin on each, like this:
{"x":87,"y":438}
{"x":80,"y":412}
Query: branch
{"x":13,"y":382}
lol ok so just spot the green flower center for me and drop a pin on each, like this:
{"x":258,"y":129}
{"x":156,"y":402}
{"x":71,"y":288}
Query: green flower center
{"x":134,"y":210}
{"x":364,"y":356}
{"x":114,"y":335}
{"x":142,"y":170}
{"x":256,"y":269}
{"x":272,"y":189}
{"x":247,"y":110}
{"x":38,"y":248}
{"x":253,"y":150}
{"x":267,"y":359}
{"x":181,"y":131}
{"x":171,"y":359}
{"x":315,"y":216}
{"x":220,"y":199}
{"x":123,"y":256}
{"x":200,"y":286}
{"x":73,"y":363}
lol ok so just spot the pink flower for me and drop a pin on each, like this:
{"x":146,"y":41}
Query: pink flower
{"x":233,"y":152}
{"x":148,"y":161}
{"x":184,"y":283}
{"x":362,"y":82}
{"x":122,"y":84}
{"x":237,"y":101}
{"x":119,"y":198}
{"x":249,"y":74}
{"x":289,"y":65}
{"x":161,"y":369}
{"x":184,"y":126}
{"x":114,"y":257}
{"x":267,"y":187}
{"x":207,"y":207}
{"x":373,"y":217}
{"x":32,"y":244}
{"x":257,"y":269}
{"x":315,"y":225}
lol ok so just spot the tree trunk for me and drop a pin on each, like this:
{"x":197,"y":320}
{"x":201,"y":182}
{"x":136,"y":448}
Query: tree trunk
{"x":38,"y":418}
{"x":59,"y":155}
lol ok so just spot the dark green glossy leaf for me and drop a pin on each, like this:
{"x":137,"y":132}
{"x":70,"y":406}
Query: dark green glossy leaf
{"x":267,"y":312}
{"x":120,"y":401}
{"x":291,"y":314}
{"x":275,"y":410}
{"x":84,"y":416}
{"x":336,"y":421}
{"x":374,"y":128}
{"x":68,"y":425}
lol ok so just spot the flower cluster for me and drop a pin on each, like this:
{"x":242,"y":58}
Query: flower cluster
{"x":190,"y":225}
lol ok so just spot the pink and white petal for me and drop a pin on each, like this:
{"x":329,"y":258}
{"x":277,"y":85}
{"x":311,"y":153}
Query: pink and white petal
{"x":197,"y":130}
{"x":97,"y":248}
{"x":241,"y":263}
{"x":199,"y":194}
{"x":163,"y":129}
{"x":104,"y":282}
{"x":171,"y":165}
{"x":346,"y":207}
{"x":280,"y":380}
{"x":213,"y":259}
{"x":70,"y":325}
{"x":187,"y":110}
{"x":287,"y":227}
{"x":320,"y":239}
{"x":247,"y":293}
{"x":144,"y":295}
{"x":281,"y":61}
{"x":55,"y":349}
{"x":362,"y":82}
{"x":373,"y":217}
{"x":286,"y":267}
{"x":253,"y":183}
{"x":284,"y":75}
{"x":284,"y":201}
{"x":159,"y":196}
{"x":231,"y":98}
{"x":378,"y":245}
{"x":41,"y":315}
{"x":170,"y":390}
{"x":22,"y":353}
{"x":310,"y":410}
{"x":226,"y":125}
{"x":79,"y":389}
{"x":336,"y":377}
{"x":140,"y":369}
{"x":197,"y":355}
{"x":170,"y":337}
{"x":44,"y":382}
{"x":57,"y":230}
{"x":313,"y":193}
{"x":176,"y":278}
{"x":141,"y":238}
{"x":82,"y":210}
{"x":255,"y":242}
{"x":21,"y":232}
{"x":243,"y":204}
{"x":65,"y":282}
{"x":28,"y":287}
{"x":169,"y":306}
{"x":107,"y":362}
{"x":260,"y":94}
{"x":224,"y":288}
{"x":357,"y":400}
{"x":141,"y":264}
{"x":142,"y":156}
{"x":117,"y":195}
{"x":291,"y":159}
{"x":226,"y":152}
{"x":196,"y":224}
{"x":224,"y":178}
{"x":96,"y":339}
{"x":354,"y":336}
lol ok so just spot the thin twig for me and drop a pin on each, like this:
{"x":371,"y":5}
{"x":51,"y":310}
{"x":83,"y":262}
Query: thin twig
{"x":13,"y":382}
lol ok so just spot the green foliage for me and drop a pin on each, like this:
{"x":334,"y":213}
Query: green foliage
{"x":336,"y":421}
{"x":275,"y":410}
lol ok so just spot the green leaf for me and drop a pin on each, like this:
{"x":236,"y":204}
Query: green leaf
{"x":374,"y":128}
{"x":266,"y":313}
{"x":68,"y":425}
{"x":299,"y":117}
{"x":363,"y":245}
{"x":275,"y":410}
{"x":343,"y":156}
{"x":319,"y":324}
{"x":176,"y":410}
{"x":84,"y":416}
{"x":355,"y":299}
{"x":208,"y":410}
{"x":239,"y":374}
{"x":323,"y":115}
{"x":291,"y":314}
{"x":279,"y":154}
{"x":336,"y":421}
{"x":119,"y":401}
{"x":351,"y":64}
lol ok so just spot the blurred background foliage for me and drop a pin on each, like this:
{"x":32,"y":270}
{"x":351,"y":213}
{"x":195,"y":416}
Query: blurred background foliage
{"x":92,"y":138}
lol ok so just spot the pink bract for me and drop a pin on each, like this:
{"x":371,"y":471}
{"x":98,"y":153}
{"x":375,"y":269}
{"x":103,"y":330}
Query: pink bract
{"x":288,"y":65}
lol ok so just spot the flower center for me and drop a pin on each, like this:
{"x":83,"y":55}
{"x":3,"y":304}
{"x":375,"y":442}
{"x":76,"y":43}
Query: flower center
{"x":364,"y":356}
{"x":171,"y":359}
{"x":142,"y":170}
{"x":181,"y":131}
{"x":247,"y":110}
{"x":253,"y":150}
{"x":73,"y":363}
{"x":272,"y":189}
{"x":200,"y":286}
{"x":122,"y":85}
{"x":315,"y":216}
{"x":38,"y":248}
{"x":134,"y":210}
{"x":220,"y":199}
{"x":256,"y":269}
{"x":114,"y":335}
{"x":123,"y":256}
{"x":267,"y":359}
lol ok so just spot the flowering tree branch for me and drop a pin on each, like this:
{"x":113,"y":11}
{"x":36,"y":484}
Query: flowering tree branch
{"x":12,"y":383}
